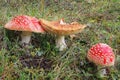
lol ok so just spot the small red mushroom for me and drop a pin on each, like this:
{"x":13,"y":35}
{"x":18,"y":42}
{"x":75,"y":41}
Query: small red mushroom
{"x":26,"y":24}
{"x":102,"y":55}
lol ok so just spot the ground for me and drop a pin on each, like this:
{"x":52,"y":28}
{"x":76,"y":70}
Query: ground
{"x":41,"y":60}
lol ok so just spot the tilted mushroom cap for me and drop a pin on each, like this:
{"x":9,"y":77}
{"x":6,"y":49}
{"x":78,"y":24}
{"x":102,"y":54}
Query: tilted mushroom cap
{"x":101,"y":54}
{"x":56,"y":27}
{"x":25,"y":23}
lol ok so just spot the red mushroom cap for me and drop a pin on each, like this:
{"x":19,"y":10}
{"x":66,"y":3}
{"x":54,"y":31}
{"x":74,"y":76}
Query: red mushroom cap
{"x":25,"y":23}
{"x":101,"y":54}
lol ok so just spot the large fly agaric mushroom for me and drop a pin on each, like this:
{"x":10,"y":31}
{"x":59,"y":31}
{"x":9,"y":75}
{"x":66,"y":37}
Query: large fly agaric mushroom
{"x":102,"y":55}
{"x":26,"y":24}
{"x":60,"y":29}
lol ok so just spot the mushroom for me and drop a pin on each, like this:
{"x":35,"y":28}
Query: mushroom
{"x":27,"y":25}
{"x":61,"y":29}
{"x":102,"y":55}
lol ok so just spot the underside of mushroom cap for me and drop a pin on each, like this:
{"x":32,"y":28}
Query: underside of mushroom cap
{"x":61,"y":29}
{"x":25,"y":23}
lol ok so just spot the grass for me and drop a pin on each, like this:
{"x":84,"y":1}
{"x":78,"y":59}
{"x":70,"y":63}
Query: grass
{"x":41,"y":60}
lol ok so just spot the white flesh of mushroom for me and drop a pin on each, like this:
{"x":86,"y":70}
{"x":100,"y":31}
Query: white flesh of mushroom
{"x":25,"y":36}
{"x":102,"y":72}
{"x":60,"y":41}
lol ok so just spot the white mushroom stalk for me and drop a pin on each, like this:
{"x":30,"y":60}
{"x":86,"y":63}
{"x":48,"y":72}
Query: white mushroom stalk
{"x":60,"y":40}
{"x":102,"y":72}
{"x":60,"y":43}
{"x":25,"y":37}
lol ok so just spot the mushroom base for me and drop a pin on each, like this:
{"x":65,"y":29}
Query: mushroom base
{"x":25,"y":37}
{"x":60,"y":43}
{"x":102,"y":72}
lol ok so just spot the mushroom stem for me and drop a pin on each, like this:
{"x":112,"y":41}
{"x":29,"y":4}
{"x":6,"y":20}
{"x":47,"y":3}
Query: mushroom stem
{"x":102,"y":72}
{"x":25,"y":36}
{"x":60,"y":43}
